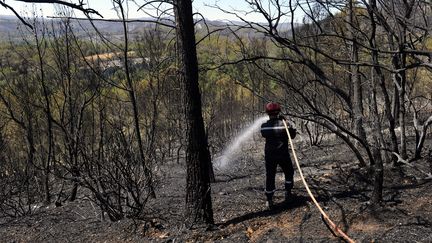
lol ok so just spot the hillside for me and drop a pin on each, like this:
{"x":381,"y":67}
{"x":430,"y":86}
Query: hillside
{"x":152,"y":135}
{"x":240,"y":214}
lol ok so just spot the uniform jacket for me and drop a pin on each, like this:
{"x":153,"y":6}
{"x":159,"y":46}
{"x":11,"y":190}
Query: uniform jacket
{"x":276,"y":137}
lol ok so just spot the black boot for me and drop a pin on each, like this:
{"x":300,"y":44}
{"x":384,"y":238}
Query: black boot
{"x":269,"y":202}
{"x":289,"y":197}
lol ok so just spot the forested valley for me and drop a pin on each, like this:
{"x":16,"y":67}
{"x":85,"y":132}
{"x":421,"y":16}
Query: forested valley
{"x":105,"y":136}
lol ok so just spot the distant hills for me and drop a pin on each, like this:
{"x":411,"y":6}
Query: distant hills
{"x":9,"y":26}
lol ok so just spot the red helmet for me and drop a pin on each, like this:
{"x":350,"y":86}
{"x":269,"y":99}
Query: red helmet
{"x":272,"y":108}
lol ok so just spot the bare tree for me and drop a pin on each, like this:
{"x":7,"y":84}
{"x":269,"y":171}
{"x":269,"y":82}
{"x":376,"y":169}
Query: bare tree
{"x":132,"y":95}
{"x":198,"y":190}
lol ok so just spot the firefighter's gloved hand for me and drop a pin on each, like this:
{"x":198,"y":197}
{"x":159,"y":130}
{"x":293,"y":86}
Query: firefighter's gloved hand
{"x":282,"y":117}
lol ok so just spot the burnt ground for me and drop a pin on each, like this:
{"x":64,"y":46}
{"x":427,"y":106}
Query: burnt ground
{"x":341,"y":187}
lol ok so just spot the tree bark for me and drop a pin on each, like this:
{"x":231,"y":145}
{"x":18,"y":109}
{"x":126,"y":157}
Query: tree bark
{"x":357,"y":102}
{"x":377,"y":167}
{"x":198,"y":191}
{"x":377,"y":138}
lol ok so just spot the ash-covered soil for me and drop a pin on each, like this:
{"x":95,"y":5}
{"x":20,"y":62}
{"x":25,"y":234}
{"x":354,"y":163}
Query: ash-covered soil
{"x":341,"y":187}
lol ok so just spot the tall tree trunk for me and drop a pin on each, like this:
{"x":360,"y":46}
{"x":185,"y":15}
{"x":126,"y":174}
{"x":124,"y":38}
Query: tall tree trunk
{"x":198,"y":191}
{"x":377,"y":167}
{"x":357,"y":101}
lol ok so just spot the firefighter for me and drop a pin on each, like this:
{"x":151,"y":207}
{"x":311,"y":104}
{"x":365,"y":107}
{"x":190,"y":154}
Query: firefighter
{"x":276,"y":152}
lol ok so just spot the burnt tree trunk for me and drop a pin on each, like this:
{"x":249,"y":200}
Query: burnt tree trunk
{"x":357,"y":102}
{"x":377,"y":165}
{"x":377,"y":142}
{"x":198,"y":191}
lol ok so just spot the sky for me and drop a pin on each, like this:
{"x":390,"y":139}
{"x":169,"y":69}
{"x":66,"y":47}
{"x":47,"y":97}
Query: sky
{"x":105,"y":7}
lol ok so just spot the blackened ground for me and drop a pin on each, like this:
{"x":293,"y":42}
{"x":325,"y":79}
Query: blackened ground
{"x":341,"y":187}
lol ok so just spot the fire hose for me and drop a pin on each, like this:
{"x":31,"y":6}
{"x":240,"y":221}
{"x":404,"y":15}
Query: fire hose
{"x":336,"y":230}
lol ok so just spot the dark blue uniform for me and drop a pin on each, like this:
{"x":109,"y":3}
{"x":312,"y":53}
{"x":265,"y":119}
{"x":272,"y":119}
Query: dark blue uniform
{"x":276,"y":153}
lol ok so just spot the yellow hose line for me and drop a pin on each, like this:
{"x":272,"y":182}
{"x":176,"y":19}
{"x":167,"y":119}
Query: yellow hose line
{"x":334,"y":227}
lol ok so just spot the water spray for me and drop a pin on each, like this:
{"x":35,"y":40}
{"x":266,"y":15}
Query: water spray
{"x":230,"y":152}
